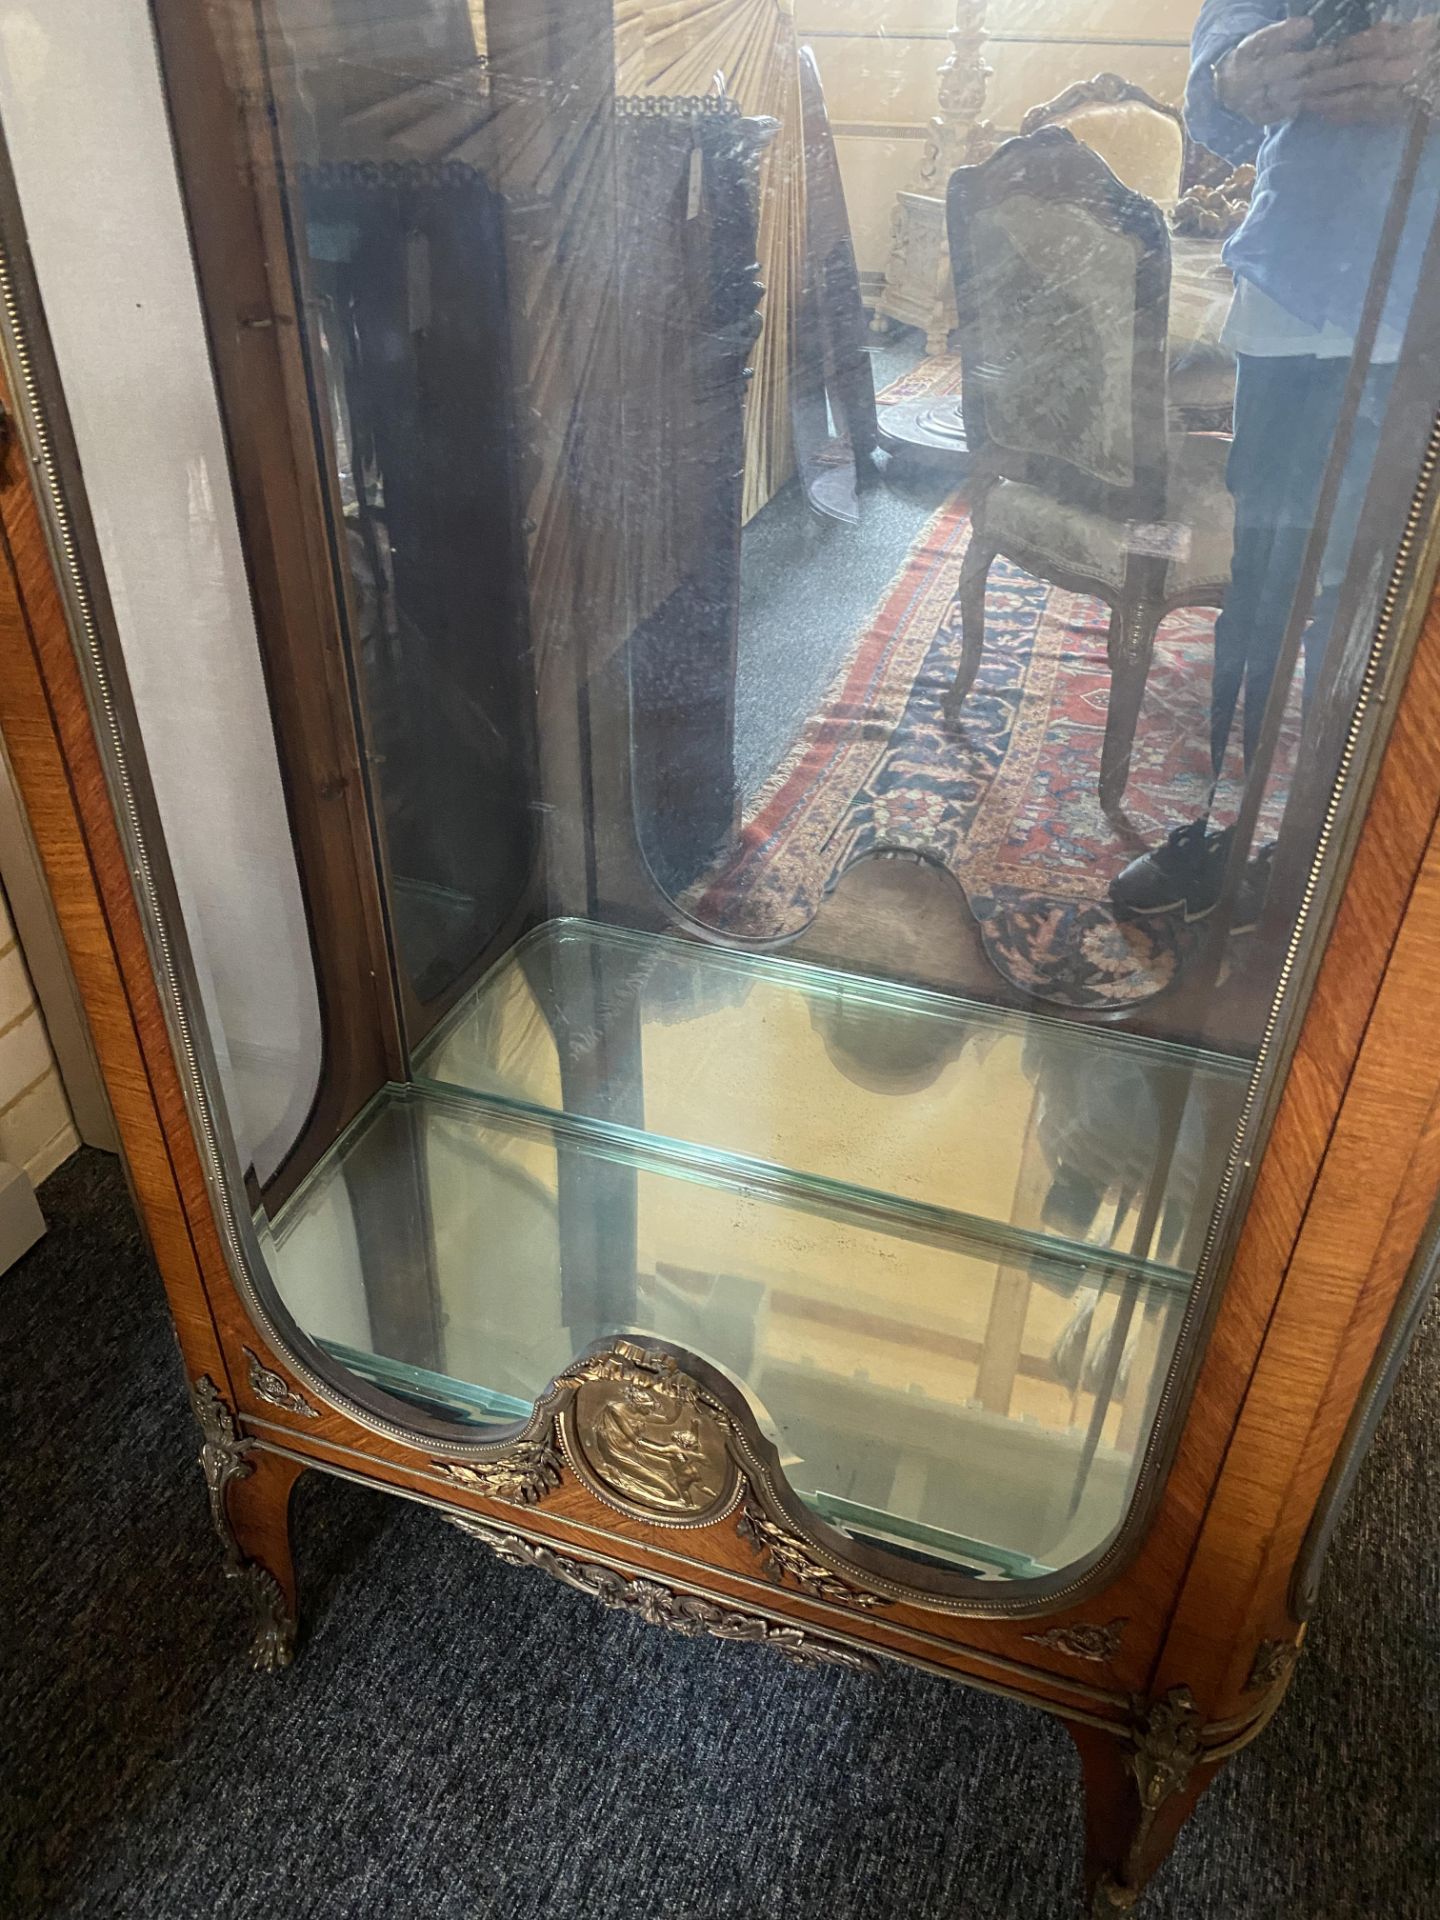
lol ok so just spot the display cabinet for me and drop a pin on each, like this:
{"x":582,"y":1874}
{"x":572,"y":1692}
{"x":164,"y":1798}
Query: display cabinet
{"x":605,"y":1044}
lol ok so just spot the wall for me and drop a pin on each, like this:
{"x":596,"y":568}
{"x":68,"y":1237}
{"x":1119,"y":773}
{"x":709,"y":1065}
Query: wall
{"x":36,"y":1131}
{"x":880,"y":60}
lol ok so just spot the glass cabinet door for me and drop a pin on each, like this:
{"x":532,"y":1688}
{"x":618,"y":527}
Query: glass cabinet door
{"x":865,"y":656}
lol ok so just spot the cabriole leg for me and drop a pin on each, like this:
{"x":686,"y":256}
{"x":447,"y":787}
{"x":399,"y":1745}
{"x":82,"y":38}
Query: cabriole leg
{"x":250,"y":1506}
{"x":1139,"y":1792}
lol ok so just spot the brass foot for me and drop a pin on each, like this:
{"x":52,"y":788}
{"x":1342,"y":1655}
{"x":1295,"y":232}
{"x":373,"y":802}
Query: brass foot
{"x":276,"y":1628}
{"x":1111,"y":1898}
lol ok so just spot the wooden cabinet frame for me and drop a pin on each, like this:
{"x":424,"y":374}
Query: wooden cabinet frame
{"x":1172,"y":1653}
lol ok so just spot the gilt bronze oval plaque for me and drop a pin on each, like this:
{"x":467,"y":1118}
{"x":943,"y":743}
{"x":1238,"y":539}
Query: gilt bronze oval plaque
{"x":647,"y":1439}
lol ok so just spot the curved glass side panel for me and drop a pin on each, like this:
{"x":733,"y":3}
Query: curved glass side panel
{"x":865,"y":656}
{"x":120,"y":302}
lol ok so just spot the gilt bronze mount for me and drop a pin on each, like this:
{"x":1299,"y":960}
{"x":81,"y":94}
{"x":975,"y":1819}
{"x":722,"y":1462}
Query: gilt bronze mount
{"x":645,"y":1437}
{"x":659,"y":1436}
{"x":224,"y":1459}
{"x":664,"y":1606}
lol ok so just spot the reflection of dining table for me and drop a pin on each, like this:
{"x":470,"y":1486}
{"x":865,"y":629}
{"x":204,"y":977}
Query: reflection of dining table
{"x":1202,"y":370}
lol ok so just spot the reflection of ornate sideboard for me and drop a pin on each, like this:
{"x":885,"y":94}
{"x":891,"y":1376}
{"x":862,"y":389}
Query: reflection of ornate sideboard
{"x":918,"y":289}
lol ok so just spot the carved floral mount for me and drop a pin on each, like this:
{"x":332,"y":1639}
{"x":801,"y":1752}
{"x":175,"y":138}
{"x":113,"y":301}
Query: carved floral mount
{"x":522,"y":1476}
{"x":783,"y":1552}
{"x":647,"y":1437}
{"x":662,"y":1606}
{"x":273,"y":1388}
{"x":1083,"y":1640}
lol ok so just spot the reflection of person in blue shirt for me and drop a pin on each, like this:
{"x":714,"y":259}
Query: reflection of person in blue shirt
{"x":1324,"y":121}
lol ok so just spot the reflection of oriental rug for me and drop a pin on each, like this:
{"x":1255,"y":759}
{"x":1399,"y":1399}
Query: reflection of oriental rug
{"x":934,"y":377}
{"x":1009,"y":803}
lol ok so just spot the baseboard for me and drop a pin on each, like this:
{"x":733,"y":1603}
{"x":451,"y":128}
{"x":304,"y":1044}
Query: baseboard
{"x":53,"y":1155}
{"x":21,"y":1223}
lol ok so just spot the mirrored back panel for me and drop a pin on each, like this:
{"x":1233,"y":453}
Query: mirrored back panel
{"x":859,"y":570}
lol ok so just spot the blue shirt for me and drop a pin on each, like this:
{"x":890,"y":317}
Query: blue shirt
{"x":1321,"y":191}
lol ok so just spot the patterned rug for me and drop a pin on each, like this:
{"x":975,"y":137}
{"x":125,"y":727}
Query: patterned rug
{"x":937,"y":375}
{"x":1009,"y":803}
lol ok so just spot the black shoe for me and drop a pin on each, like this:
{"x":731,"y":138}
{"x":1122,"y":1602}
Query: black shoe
{"x":1187,"y":875}
{"x":1182,"y":875}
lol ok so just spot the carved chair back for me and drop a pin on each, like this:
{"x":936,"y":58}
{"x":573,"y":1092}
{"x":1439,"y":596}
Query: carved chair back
{"x":1062,"y":282}
{"x":1139,"y":138}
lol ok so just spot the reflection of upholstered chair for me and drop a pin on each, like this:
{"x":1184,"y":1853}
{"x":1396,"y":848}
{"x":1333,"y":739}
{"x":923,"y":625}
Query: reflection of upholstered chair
{"x":1144,"y":143}
{"x":1062,"y":276}
{"x":1139,"y":138}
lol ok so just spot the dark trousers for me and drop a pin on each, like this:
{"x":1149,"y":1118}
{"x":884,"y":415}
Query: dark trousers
{"x":1286,"y":413}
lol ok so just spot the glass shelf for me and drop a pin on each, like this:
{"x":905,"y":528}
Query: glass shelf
{"x":1038,"y":1134}
{"x":929,"y":1388}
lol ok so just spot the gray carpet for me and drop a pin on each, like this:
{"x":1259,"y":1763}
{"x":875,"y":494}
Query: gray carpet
{"x":808,"y":586}
{"x":466,"y":1741}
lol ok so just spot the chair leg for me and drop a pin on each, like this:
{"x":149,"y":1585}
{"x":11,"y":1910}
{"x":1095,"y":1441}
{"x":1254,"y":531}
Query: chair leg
{"x":974,"y":577}
{"x":1133,"y":627}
